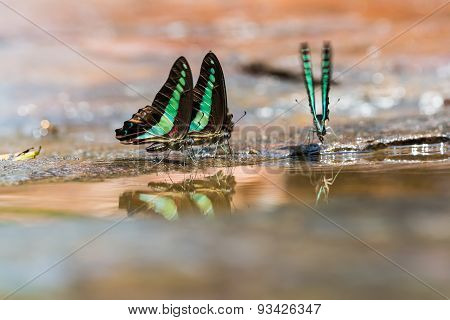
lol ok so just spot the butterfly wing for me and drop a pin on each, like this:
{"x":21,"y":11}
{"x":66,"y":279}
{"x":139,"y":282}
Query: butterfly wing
{"x":210,"y":109}
{"x":168,"y":117}
{"x":309,"y":81}
{"x":326,"y":78}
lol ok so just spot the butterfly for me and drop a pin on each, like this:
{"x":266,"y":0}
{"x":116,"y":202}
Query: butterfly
{"x":182,"y":115}
{"x":165,"y":123}
{"x":319,"y":120}
{"x":211,"y":121}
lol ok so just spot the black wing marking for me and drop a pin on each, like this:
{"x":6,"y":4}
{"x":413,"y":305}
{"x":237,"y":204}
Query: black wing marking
{"x":325,"y":82}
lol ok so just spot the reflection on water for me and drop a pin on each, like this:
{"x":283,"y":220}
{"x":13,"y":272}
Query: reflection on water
{"x":212,"y":195}
{"x":211,"y":192}
{"x":399,"y":208}
{"x":207,"y":197}
{"x":393,"y":197}
{"x":323,"y":185}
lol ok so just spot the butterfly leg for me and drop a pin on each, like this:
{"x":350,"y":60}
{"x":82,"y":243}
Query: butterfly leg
{"x":227,"y":149}
{"x":189,"y":143}
{"x":182,"y":148}
{"x":308,"y":137}
{"x":215,"y":149}
{"x":192,"y":155}
{"x":230,"y":151}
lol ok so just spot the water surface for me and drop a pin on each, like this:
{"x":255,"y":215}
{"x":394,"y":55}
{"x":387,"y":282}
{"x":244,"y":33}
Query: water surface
{"x":203,"y":233}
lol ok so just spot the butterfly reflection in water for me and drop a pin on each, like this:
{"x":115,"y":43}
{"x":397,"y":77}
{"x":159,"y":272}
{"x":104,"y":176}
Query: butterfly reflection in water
{"x":206,"y":197}
{"x":323,"y":184}
{"x":321,"y":181}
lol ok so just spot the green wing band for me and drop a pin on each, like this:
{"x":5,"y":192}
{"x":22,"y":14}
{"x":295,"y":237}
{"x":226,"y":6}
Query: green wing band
{"x":309,"y":79}
{"x":326,"y":78}
{"x":165,"y":124}
{"x":201,"y":118}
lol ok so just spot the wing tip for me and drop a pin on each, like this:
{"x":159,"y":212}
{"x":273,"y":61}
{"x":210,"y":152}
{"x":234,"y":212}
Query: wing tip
{"x":184,"y":61}
{"x":326,"y":46}
{"x":212,"y":55}
{"x":181,"y":58}
{"x":304,"y":46}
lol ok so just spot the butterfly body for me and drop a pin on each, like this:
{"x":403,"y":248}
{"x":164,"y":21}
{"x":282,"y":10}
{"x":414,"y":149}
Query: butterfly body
{"x":319,"y":120}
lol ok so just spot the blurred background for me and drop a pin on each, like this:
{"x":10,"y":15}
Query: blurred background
{"x":74,"y":71}
{"x":135,"y":42}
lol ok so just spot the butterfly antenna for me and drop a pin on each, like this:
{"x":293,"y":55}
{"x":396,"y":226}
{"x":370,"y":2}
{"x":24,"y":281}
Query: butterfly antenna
{"x":245,"y":113}
{"x":337,"y":101}
{"x":299,"y":102}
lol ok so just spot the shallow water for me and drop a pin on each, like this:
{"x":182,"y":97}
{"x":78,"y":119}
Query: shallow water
{"x":200,"y":232}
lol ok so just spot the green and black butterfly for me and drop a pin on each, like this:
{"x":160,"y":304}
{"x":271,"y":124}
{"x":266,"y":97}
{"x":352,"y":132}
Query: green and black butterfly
{"x":164,"y":124}
{"x":320,"y":120}
{"x":182,"y":115}
{"x":210,"y":121}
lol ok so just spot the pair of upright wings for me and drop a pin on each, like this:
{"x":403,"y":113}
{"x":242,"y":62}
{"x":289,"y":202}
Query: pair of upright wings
{"x":319,"y":119}
{"x":179,"y":109}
